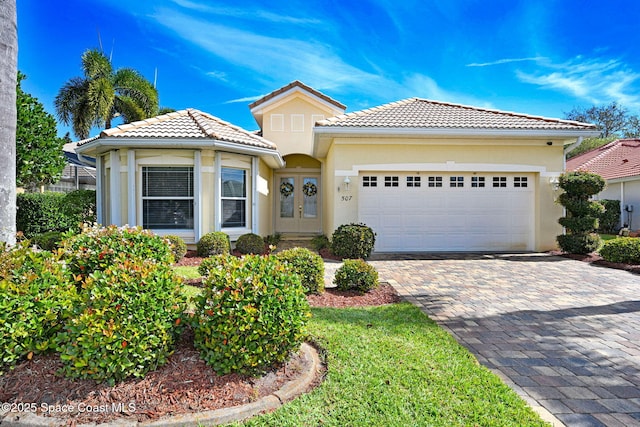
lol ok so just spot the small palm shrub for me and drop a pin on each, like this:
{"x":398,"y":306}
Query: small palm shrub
{"x":98,"y":248}
{"x":250,"y":244}
{"x":353,"y":241}
{"x":251,"y":315}
{"x":306,"y":264}
{"x":178,"y":247}
{"x":126,"y":322}
{"x":356,"y":275}
{"x":622,"y":249}
{"x":37,"y":295}
{"x":214,"y":243}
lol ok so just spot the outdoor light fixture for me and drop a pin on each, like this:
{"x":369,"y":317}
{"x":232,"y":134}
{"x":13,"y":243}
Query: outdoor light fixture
{"x":555,"y":184}
{"x":345,"y":184}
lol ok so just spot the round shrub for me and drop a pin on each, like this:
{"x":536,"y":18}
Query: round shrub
{"x":622,"y":249}
{"x":251,"y":315}
{"x":214,"y":243}
{"x":579,"y":224}
{"x":37,"y":295}
{"x":356,"y":275}
{"x":581,"y":183}
{"x":306,"y":264}
{"x":353,"y":241}
{"x":48,"y":241}
{"x":125,"y":324}
{"x":98,"y":248}
{"x":178,"y":247}
{"x":250,"y":244}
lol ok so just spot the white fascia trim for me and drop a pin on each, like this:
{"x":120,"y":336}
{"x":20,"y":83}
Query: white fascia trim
{"x":193,"y":144}
{"x":259,"y":108}
{"x":452,"y":132}
{"x":440,"y":167}
{"x":623,"y":179}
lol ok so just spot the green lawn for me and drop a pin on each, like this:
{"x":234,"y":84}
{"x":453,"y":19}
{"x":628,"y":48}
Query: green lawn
{"x":187,"y":272}
{"x":393,"y":366}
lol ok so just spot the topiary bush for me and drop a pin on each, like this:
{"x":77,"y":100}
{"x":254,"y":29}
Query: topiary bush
{"x":126,"y":323}
{"x":306,"y":264}
{"x":356,"y":275}
{"x":610,"y":218}
{"x":214,"y":243}
{"x":621,"y":249}
{"x":582,"y":214}
{"x":251,"y":315}
{"x":98,"y":248}
{"x":353,"y":241}
{"x":250,"y":244}
{"x":178,"y":247}
{"x":37,"y":296}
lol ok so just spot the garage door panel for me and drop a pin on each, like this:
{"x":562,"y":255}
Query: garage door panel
{"x":449,"y":218}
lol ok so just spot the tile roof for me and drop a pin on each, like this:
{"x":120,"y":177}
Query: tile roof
{"x":424,"y":113}
{"x":617,"y":159}
{"x":189,"y":123}
{"x":296,"y":83}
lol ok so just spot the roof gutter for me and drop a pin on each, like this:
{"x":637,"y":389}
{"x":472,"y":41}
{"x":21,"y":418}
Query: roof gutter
{"x":452,"y":132}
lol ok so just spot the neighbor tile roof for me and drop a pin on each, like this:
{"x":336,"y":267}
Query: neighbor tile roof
{"x":189,"y":123}
{"x":424,"y":113}
{"x":617,"y":159}
{"x":301,"y":85}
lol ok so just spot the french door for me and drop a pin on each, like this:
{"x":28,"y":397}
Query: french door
{"x":298,"y":203}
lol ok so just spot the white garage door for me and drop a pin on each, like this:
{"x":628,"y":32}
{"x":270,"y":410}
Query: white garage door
{"x":448,"y":212}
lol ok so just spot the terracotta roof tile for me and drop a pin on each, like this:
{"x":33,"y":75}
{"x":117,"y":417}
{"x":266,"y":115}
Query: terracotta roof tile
{"x":301,"y":85}
{"x":189,"y":123}
{"x":424,"y":113}
{"x":617,"y":159}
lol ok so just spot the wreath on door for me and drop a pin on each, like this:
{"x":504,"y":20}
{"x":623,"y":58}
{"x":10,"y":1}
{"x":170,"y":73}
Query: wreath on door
{"x":286,"y":189}
{"x":309,"y":189}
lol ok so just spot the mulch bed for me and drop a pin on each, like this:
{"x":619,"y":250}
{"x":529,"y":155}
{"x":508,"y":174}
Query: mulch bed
{"x":597,"y":260}
{"x":184,"y":385}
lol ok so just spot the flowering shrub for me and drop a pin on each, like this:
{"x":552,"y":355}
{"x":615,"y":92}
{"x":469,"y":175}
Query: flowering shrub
{"x":37,"y":295}
{"x":98,"y":248}
{"x":125,"y":324}
{"x":177,"y":245}
{"x":250,"y":316}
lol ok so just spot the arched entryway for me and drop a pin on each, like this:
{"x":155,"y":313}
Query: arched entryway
{"x":298,"y":203}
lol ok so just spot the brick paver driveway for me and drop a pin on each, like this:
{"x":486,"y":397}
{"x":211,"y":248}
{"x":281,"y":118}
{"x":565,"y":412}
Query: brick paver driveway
{"x":565,"y":335}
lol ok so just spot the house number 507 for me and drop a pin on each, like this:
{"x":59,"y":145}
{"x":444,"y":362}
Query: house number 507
{"x":346,"y":198}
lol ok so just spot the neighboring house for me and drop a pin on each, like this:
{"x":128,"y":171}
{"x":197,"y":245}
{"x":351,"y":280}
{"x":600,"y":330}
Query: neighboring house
{"x":618,"y":162}
{"x":76,"y":175}
{"x":425,"y":175}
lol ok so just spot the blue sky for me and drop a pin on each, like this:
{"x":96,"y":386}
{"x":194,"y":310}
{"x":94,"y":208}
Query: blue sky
{"x":536,"y":57}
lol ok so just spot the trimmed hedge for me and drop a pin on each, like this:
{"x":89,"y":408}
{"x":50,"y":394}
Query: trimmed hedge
{"x":38,"y":213}
{"x":250,"y":244}
{"x":610,"y":218}
{"x":214,"y":243}
{"x":621,"y":249}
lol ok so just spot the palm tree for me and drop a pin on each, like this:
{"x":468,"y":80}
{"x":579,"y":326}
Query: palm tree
{"x":8,"y":115}
{"x":102,"y":94}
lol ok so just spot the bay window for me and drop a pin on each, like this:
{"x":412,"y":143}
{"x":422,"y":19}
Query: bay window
{"x":167,"y":197}
{"x":234,"y":197}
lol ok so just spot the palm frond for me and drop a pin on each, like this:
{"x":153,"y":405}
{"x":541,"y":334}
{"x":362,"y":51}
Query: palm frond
{"x":130,"y":83}
{"x":129,"y":109}
{"x":100,"y":96}
{"x":95,"y":65}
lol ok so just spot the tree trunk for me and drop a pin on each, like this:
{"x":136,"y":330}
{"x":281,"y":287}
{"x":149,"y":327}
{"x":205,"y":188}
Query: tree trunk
{"x":8,"y":75}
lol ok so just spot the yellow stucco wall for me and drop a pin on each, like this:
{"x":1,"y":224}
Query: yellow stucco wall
{"x":346,"y":158}
{"x":289,"y":123}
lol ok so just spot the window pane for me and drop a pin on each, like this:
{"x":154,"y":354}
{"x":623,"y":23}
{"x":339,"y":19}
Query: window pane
{"x":171,"y":214}
{"x":234,"y":182}
{"x":286,"y":190}
{"x":167,"y":182}
{"x":310,"y":200}
{"x":233,"y":213}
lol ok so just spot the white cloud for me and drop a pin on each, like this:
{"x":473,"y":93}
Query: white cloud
{"x":507,"y":61}
{"x":595,"y":81}
{"x":243,"y":100}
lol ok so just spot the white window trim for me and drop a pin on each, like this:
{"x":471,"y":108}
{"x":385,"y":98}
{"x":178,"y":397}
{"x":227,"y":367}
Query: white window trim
{"x":299,"y":119}
{"x":277,"y":122}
